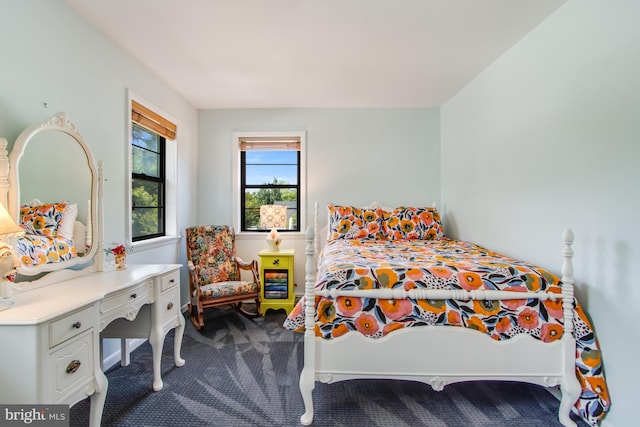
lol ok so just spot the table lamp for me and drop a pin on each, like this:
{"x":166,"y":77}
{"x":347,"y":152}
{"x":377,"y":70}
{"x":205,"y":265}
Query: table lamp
{"x":8,"y":261}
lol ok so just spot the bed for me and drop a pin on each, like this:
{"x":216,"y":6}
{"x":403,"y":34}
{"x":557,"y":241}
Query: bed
{"x":390,"y":297}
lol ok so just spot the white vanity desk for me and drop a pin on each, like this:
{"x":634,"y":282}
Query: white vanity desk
{"x":50,"y":338}
{"x":50,"y":351}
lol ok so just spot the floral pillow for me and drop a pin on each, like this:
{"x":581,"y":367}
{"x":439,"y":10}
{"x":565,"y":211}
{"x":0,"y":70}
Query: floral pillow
{"x":43,"y":220}
{"x":349,"y":222}
{"x":411,"y":223}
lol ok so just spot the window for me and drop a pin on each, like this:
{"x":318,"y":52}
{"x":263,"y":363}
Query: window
{"x":271,"y":183}
{"x":149,"y":135}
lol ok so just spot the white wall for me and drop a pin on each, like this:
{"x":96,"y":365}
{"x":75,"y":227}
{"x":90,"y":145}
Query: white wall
{"x":354,"y":156}
{"x":50,"y":54}
{"x":547,"y":138}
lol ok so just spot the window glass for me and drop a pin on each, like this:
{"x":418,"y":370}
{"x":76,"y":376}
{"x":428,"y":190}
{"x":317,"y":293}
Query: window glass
{"x":270,"y":190}
{"x":148,"y":183}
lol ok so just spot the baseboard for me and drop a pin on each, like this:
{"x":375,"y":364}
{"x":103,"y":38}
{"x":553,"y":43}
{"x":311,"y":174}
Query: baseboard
{"x":555,"y":391}
{"x":114,"y":358}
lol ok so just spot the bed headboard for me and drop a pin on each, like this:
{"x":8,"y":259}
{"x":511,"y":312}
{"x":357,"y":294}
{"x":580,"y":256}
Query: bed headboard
{"x":26,"y":174}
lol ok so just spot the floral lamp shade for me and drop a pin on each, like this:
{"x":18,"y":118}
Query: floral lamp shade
{"x":273,"y":216}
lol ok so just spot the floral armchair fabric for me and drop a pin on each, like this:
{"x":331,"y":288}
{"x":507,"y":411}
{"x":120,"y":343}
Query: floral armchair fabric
{"x":214,"y":272}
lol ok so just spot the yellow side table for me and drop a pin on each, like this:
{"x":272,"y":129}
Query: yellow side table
{"x":276,"y":275}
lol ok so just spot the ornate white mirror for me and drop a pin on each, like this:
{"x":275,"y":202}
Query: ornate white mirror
{"x":55,"y":195}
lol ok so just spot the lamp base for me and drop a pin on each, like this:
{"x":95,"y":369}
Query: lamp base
{"x":5,"y":289}
{"x":5,"y":292}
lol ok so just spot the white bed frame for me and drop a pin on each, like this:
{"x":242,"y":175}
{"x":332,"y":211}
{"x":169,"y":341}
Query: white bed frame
{"x":521,"y":358}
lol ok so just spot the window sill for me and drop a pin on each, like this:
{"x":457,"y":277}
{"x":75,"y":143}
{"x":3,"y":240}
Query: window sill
{"x":252,"y":235}
{"x":155,"y":243}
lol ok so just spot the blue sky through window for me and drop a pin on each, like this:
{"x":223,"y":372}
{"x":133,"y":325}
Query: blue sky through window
{"x":263,"y":166}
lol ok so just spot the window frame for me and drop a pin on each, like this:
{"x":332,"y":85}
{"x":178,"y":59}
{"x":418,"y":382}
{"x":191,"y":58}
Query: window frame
{"x":238,"y":186}
{"x":170,"y":182}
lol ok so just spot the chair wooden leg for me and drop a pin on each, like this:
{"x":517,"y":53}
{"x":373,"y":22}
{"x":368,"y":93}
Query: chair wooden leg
{"x":197,"y":316}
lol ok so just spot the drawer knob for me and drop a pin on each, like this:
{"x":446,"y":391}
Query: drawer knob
{"x":73,"y":366}
{"x":134,"y":296}
{"x":171,"y":281}
{"x":169,"y":306}
{"x":276,"y":262}
{"x":77,"y":325}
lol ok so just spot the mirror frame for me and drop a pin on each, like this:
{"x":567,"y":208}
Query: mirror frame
{"x":59,"y":123}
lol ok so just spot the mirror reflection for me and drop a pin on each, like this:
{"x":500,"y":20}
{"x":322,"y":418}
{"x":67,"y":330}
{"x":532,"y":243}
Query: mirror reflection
{"x":53,"y":183}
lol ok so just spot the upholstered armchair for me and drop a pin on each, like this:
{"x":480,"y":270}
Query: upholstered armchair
{"x":214,"y":273}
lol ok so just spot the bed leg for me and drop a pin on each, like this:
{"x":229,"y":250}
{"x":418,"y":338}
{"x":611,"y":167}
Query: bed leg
{"x":570,"y":393}
{"x":307,"y":384}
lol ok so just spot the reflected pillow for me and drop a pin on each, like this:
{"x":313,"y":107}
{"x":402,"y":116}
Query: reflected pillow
{"x":412,"y":223}
{"x":43,"y":220}
{"x":68,"y":221}
{"x":350,"y":222}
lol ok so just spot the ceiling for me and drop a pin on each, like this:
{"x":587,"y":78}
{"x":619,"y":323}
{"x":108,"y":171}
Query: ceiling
{"x":316,"y":53}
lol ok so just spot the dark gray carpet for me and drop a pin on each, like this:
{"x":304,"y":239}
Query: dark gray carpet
{"x":244,"y":372}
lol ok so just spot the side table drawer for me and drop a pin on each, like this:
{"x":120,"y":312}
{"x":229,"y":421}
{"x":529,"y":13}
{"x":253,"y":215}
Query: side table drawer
{"x":70,"y":326}
{"x":275,"y":261}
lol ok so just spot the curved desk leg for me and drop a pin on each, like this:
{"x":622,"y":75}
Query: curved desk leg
{"x":156,"y":339}
{"x":177,"y":341}
{"x":98,"y":398}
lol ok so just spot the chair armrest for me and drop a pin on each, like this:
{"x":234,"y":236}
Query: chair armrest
{"x":194,"y":277}
{"x":244,"y":264}
{"x":252,"y":266}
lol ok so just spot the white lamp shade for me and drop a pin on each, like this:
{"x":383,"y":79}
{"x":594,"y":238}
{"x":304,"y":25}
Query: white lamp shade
{"x":7,"y":224}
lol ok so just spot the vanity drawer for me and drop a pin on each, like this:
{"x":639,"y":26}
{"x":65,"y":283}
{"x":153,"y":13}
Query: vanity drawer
{"x":125,"y":304}
{"x":71,"y":325}
{"x":169,"y":304}
{"x":170,"y":280}
{"x":138,"y":294}
{"x":71,"y":367}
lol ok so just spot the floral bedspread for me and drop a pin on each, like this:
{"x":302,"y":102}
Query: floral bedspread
{"x":35,"y":249}
{"x":449,"y":264}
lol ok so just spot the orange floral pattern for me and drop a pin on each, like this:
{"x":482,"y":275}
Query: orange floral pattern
{"x":449,"y":264}
{"x":413,"y":223}
{"x":349,"y":222}
{"x":34,"y":249}
{"x":42,"y":220}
